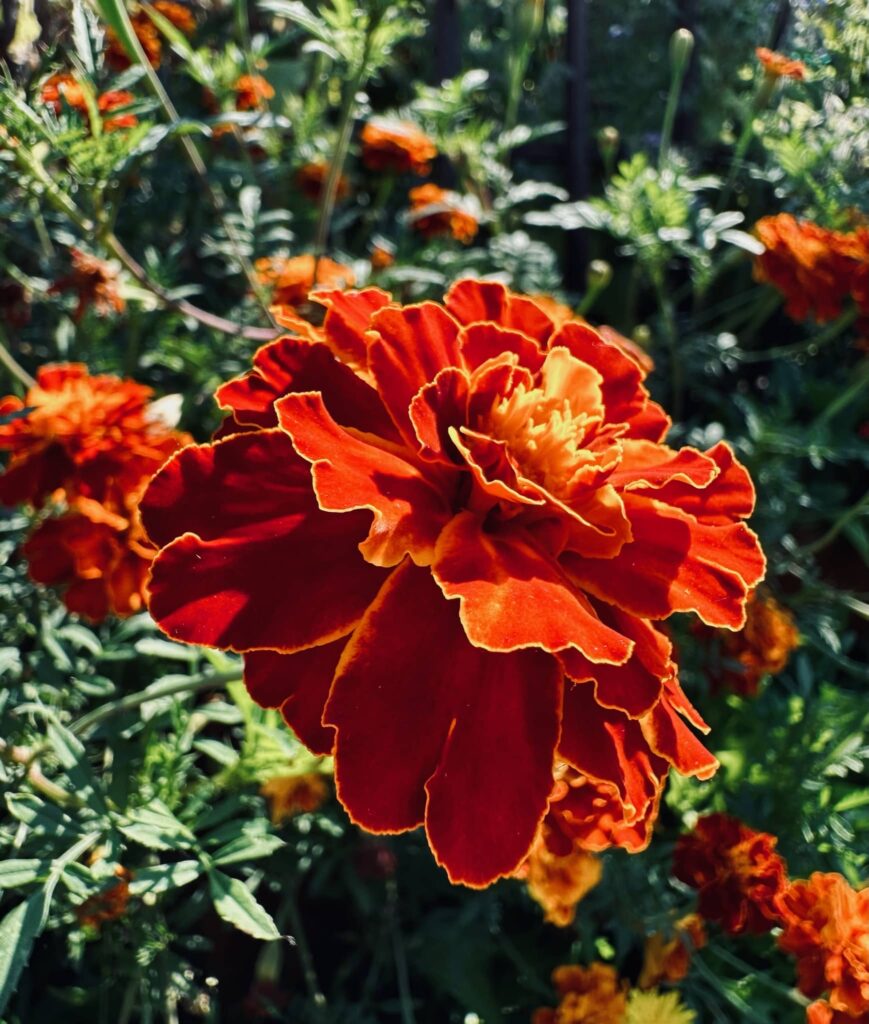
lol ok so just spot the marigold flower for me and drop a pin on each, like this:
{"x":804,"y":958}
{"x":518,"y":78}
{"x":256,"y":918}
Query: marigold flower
{"x":291,"y":279}
{"x":396,"y":146}
{"x":311,"y":180}
{"x":381,"y":257}
{"x":435,"y":211}
{"x":252,"y":92}
{"x":559,"y":314}
{"x":762,"y":647}
{"x":558,"y":882}
{"x":814,"y":268}
{"x":736,"y":870}
{"x":821,"y":1012}
{"x":777,"y":65}
{"x":658,"y":1008}
{"x":92,"y":436}
{"x":826,"y":927}
{"x":94,"y":281}
{"x":108,"y":905}
{"x":109,"y":101}
{"x":471,"y":468}
{"x":100,"y":560}
{"x":63,"y":87}
{"x":589,"y":995}
{"x":148,"y":35}
{"x":668,"y":957}
{"x":289,"y":795}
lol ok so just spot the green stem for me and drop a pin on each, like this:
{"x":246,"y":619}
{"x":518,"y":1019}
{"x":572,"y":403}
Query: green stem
{"x":668,"y":316}
{"x":191,"y":684}
{"x":676,"y":80}
{"x":846,"y":517}
{"x":12,"y":364}
{"x":300,"y":941}
{"x":810,"y":344}
{"x":760,"y":99}
{"x":405,"y":997}
{"x":836,"y":406}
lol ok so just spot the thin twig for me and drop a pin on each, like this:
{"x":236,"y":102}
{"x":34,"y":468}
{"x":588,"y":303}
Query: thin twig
{"x":12,"y":364}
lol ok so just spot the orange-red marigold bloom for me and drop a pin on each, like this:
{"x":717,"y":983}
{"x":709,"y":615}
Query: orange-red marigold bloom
{"x":63,"y":87}
{"x":762,"y":647}
{"x":736,"y":870}
{"x":396,"y":146}
{"x":777,"y":65}
{"x":289,"y":795}
{"x":99,"y":559}
{"x":311,"y":180}
{"x":252,"y":92}
{"x":291,"y":279}
{"x":814,"y":268}
{"x":667,"y":958}
{"x":559,"y":881}
{"x":440,"y":533}
{"x":435,"y":211}
{"x":381,"y":257}
{"x":91,"y":436}
{"x":826,"y":927}
{"x":589,"y":995}
{"x":148,"y":34}
{"x":821,"y":1012}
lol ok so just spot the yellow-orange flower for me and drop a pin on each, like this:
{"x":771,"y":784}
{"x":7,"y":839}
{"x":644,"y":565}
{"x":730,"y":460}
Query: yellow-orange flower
{"x":436,"y":211}
{"x":814,"y":268}
{"x":289,"y":795}
{"x":396,"y":146}
{"x":381,"y":257}
{"x":821,"y":1012}
{"x":311,"y":180}
{"x":558,"y":882}
{"x":777,"y":65}
{"x":668,"y":957}
{"x":589,"y":995}
{"x":291,"y":279}
{"x":762,"y":647}
{"x":826,"y":927}
{"x":658,"y":1008}
{"x":252,"y":92}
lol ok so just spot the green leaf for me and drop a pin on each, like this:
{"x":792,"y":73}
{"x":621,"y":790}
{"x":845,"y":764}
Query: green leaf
{"x":18,"y":931}
{"x":40,"y":816}
{"x":157,"y":828}
{"x":234,"y":902}
{"x":158,"y":648}
{"x":164,"y":877}
{"x":217,"y":751}
{"x":115,"y":13}
{"x":21,"y":872}
{"x":246,"y":848}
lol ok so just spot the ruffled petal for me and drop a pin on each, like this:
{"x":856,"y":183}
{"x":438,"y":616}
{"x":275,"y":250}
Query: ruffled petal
{"x":299,"y":685}
{"x":242,"y":529}
{"x":437,"y":407}
{"x":675,"y":564}
{"x":482,"y":341}
{"x":350,"y":472}
{"x":671,"y":739}
{"x":347,"y":319}
{"x":432,"y":729}
{"x":513,"y":596}
{"x":650,"y":467}
{"x":472,"y":301}
{"x":290,"y":365}
{"x":408,"y":347}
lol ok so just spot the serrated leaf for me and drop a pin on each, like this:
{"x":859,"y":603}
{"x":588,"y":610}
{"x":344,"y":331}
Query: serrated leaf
{"x":246,"y":848}
{"x":164,"y":877}
{"x":157,"y":828}
{"x":234,"y":902}
{"x":18,"y":931}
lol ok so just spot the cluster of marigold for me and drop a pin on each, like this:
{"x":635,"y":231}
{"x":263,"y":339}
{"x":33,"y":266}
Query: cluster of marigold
{"x":743,"y":887}
{"x":81,"y":451}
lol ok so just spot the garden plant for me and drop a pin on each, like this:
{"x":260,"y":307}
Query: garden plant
{"x":433,"y":511}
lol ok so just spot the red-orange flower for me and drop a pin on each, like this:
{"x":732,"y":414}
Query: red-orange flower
{"x":762,"y":647}
{"x":435,"y":211}
{"x":63,"y":88}
{"x":148,"y":35}
{"x":91,"y":436}
{"x":736,"y":870}
{"x":311,"y":180}
{"x":112,"y":101}
{"x":667,"y":958}
{"x":558,"y":881}
{"x":108,"y":905}
{"x":441,"y":533}
{"x":589,"y":995}
{"x":826,"y":927}
{"x":777,"y":65}
{"x":100,"y":560}
{"x":381,"y":257}
{"x":821,"y":1012}
{"x":289,"y":795}
{"x":291,"y":279}
{"x":252,"y":92}
{"x":94,"y":281}
{"x":396,"y":146}
{"x":815,"y":269}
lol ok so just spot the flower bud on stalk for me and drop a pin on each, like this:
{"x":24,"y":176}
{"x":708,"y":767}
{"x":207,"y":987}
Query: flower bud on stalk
{"x":608,"y":141}
{"x":681,"y":48}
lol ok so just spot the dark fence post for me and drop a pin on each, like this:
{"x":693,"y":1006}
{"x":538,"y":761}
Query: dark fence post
{"x":447,"y":31}
{"x":578,"y":135}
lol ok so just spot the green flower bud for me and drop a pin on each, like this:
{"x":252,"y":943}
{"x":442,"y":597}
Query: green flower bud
{"x":681,"y":47}
{"x":608,"y":139}
{"x":599,"y":275}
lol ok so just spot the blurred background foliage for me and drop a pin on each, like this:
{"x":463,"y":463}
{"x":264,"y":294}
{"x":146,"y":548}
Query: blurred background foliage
{"x":147,"y":860}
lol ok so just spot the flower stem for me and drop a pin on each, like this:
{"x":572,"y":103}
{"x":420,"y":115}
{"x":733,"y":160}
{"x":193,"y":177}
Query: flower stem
{"x":817,"y":342}
{"x":12,"y":364}
{"x":846,"y":517}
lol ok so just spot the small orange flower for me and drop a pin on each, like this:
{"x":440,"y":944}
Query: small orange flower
{"x":777,"y":65}
{"x":396,"y":146}
{"x":111,"y":101}
{"x":822,"y":1013}
{"x":381,"y":257}
{"x":589,"y":995}
{"x":311,"y":180}
{"x":94,"y":281}
{"x":558,"y":882}
{"x":289,"y":795}
{"x":763,"y":645}
{"x":252,"y":92}
{"x":93,"y":437}
{"x":736,"y":870}
{"x":826,"y":927}
{"x":666,"y":958}
{"x":291,"y":279}
{"x":63,"y":87}
{"x":436,"y":211}
{"x":148,"y":34}
{"x":108,"y":905}
{"x":815,"y":269}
